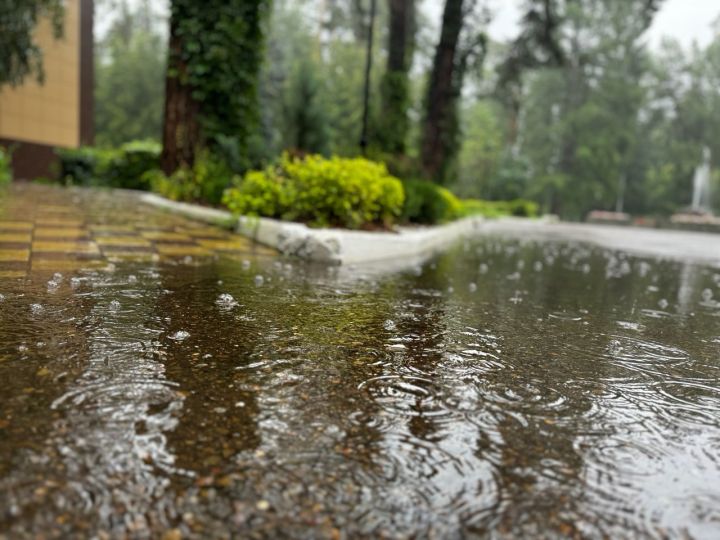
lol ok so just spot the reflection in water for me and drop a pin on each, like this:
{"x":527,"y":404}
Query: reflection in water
{"x":109,"y":435}
{"x":507,"y":388}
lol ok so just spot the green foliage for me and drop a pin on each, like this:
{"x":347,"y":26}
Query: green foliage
{"x":82,"y":166}
{"x":305,"y":111}
{"x":127,"y":165}
{"x":352,"y":193}
{"x":205,"y":182}
{"x":516,"y":207}
{"x":20,"y":55}
{"x":5,"y":166}
{"x":219,"y":46}
{"x":121,"y":167}
{"x":510,"y":179}
{"x":394,"y":124}
{"x":428,"y":203}
{"x":481,"y":152}
{"x":130,"y":78}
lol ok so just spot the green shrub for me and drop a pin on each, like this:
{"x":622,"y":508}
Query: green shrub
{"x":523,"y":208}
{"x":122,"y":167}
{"x":428,"y":203}
{"x":5,"y":166}
{"x":517,"y":207}
{"x":479,"y":207}
{"x":127,"y":165}
{"x":78,"y":166}
{"x":352,"y":193}
{"x":204,"y":182}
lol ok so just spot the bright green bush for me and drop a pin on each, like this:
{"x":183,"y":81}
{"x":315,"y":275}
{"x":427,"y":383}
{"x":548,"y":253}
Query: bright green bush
{"x":5,"y":166}
{"x":204,"y":182}
{"x":338,"y":192}
{"x":121,"y":167}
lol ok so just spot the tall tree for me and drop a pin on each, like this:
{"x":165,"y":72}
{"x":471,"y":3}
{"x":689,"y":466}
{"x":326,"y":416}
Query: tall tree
{"x":439,"y":121}
{"x":395,"y":85}
{"x":462,"y":43}
{"x":20,"y":55}
{"x":583,"y":116}
{"x":214,"y":57}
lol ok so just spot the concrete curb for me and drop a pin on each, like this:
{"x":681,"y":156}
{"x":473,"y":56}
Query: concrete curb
{"x":221,"y":218}
{"x":331,"y":246}
{"x":338,"y":246}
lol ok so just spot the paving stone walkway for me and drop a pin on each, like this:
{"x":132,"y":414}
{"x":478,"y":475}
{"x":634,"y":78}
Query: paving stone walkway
{"x":44,"y":228}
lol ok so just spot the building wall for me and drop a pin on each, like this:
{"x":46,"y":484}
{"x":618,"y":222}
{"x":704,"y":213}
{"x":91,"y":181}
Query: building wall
{"x":34,"y":118}
{"x":49,"y":113}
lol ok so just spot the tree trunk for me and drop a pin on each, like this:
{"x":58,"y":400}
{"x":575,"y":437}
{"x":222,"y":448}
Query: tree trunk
{"x":395,"y":91}
{"x":181,"y":126}
{"x":439,"y":121}
{"x":400,"y":36}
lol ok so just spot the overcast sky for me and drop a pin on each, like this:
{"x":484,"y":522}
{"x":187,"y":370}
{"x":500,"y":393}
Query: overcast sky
{"x":685,"y":20}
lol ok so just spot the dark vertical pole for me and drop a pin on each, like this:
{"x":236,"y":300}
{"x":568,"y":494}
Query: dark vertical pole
{"x":368,"y":67}
{"x":87,"y":74}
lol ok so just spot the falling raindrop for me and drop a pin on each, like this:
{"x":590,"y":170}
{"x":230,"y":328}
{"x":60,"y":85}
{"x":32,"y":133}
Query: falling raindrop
{"x":707,"y":295}
{"x":226,"y":301}
{"x":472,"y":287}
{"x":663,"y":303}
{"x":259,"y":280}
{"x":245,"y":264}
{"x":132,"y":278}
{"x":538,"y":266}
{"x":180,"y":335}
{"x":483,"y":268}
{"x":2,"y":297}
{"x":53,"y":285}
{"x":614,"y":347}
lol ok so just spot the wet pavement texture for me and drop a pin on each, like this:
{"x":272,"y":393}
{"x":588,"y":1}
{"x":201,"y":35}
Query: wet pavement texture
{"x":509,"y":388}
{"x":44,"y":228}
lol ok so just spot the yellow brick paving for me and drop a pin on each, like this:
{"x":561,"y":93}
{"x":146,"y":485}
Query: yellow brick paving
{"x":50,"y":229}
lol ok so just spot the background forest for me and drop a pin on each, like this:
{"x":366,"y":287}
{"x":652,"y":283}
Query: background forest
{"x":615,"y":125}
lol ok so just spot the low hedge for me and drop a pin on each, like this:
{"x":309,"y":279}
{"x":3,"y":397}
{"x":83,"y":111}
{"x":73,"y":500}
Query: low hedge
{"x":121,"y":167}
{"x":205,"y":182}
{"x":516,"y":207}
{"x":336,"y":192}
{"x":428,"y":203}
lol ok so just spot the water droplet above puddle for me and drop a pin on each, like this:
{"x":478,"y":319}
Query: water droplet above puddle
{"x":226,"y":301}
{"x":180,"y":335}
